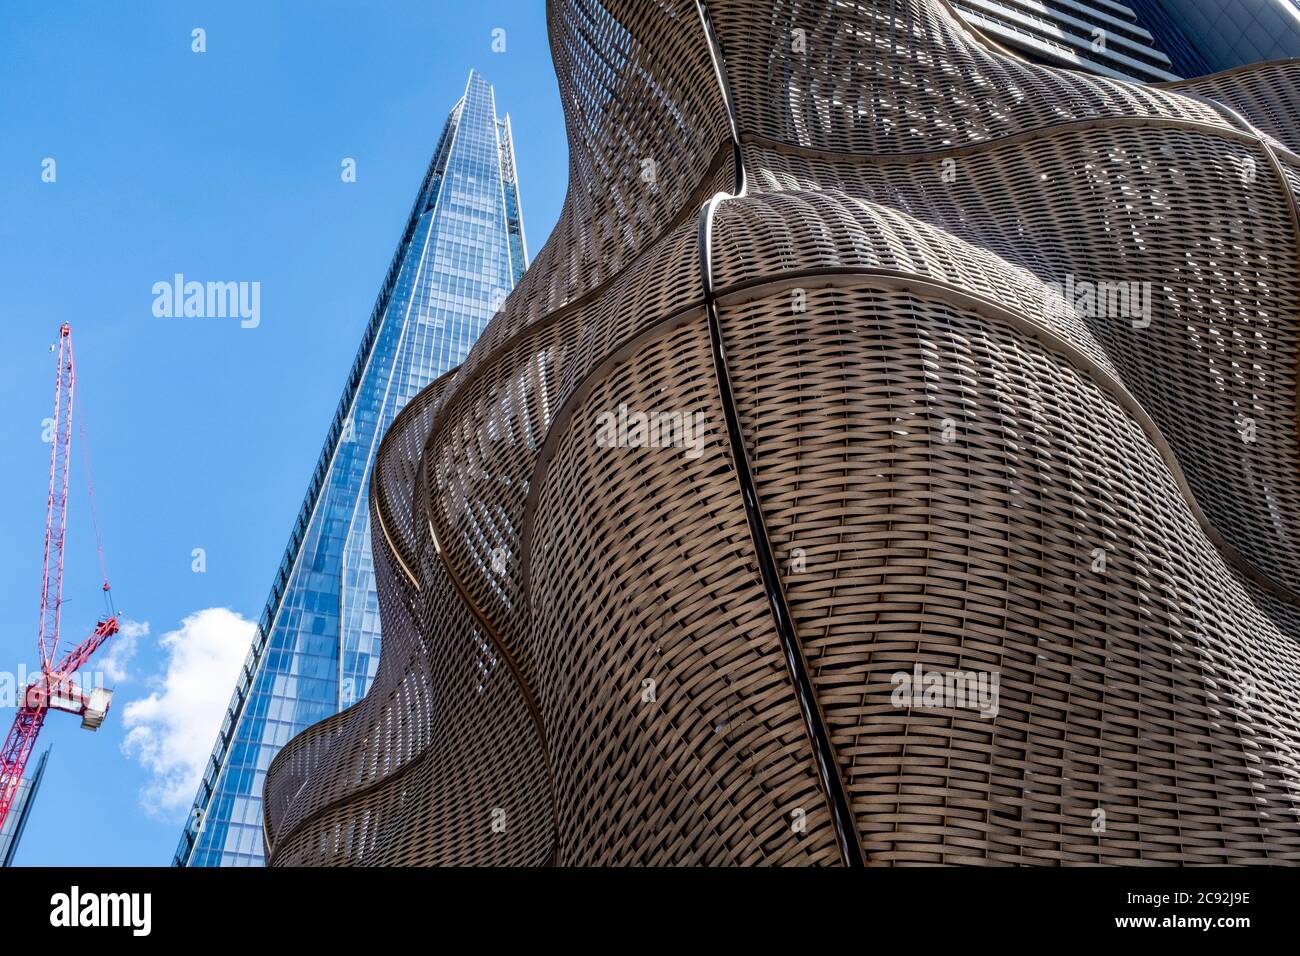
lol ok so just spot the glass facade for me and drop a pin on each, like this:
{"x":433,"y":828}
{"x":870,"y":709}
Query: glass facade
{"x":317,"y":645}
{"x":20,"y":810}
{"x":1229,"y":33}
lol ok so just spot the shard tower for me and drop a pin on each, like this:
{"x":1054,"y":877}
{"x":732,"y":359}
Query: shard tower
{"x":317,"y":644}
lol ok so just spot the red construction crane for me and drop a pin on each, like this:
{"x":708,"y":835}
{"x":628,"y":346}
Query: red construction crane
{"x":55,"y":688}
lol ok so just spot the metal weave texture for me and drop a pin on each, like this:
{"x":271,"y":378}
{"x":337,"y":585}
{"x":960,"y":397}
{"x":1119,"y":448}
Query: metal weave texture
{"x":891,"y":458}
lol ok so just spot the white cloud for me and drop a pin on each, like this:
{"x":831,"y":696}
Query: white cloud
{"x":171,"y":732}
{"x":121,"y":648}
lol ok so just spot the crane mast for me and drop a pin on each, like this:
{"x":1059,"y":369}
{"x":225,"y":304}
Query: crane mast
{"x":55,"y":688}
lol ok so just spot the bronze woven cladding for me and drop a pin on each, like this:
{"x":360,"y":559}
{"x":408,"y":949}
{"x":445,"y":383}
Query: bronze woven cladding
{"x":837,"y":249}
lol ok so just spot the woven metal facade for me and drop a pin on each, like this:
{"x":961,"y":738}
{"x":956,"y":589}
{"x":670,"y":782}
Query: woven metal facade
{"x":865,"y":363}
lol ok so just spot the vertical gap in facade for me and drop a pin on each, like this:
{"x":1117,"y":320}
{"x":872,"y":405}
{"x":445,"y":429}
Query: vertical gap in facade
{"x":846,"y":831}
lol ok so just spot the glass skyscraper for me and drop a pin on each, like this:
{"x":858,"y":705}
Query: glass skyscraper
{"x":1231,"y":33}
{"x":1147,"y":41}
{"x":317,"y":643}
{"x":1106,"y":37}
{"x":12,"y":830}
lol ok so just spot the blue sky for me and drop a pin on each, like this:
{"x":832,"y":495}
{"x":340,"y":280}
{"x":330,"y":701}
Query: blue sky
{"x":222,"y":165}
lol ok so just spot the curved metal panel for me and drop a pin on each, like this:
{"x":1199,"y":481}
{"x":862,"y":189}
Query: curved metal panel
{"x":937,"y":501}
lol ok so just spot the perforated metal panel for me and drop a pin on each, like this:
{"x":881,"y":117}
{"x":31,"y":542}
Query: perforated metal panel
{"x":885,"y":437}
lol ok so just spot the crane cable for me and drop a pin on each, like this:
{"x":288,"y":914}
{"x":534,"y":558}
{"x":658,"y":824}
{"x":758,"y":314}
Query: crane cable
{"x":94,"y":515}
